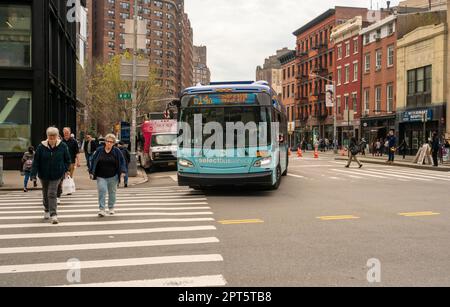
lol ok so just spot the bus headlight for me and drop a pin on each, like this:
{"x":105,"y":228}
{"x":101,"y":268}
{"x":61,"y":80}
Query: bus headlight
{"x":263,"y":162}
{"x":185,"y":163}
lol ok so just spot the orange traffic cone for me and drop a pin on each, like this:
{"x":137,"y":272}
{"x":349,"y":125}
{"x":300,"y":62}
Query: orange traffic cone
{"x":316,"y":154}
{"x":299,"y":153}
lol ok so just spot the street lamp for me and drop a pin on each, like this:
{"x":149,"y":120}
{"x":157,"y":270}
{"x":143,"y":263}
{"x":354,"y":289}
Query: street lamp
{"x":335,"y":110}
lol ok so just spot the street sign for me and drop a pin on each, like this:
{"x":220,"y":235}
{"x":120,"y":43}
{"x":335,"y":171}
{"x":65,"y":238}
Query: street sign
{"x":126,"y":70}
{"x":141,"y":34}
{"x":125,"y":96}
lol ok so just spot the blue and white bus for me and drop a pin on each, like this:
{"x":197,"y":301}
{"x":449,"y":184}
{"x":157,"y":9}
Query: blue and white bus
{"x":240,"y":160}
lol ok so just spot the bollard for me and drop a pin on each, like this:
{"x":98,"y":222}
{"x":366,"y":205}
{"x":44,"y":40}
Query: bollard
{"x":1,"y":171}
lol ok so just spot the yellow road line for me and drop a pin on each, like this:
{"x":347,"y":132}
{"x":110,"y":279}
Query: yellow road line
{"x":425,"y":213}
{"x":337,"y":217}
{"x":250,"y":221}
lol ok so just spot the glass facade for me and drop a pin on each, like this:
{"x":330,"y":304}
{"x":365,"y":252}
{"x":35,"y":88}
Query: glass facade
{"x":15,"y":35}
{"x":15,"y":121}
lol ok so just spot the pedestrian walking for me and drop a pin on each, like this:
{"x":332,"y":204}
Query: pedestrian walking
{"x":108,"y":165}
{"x":51,"y":162}
{"x":363,"y":145}
{"x":27,"y":165}
{"x":89,"y":147}
{"x":378,"y":148}
{"x":353,"y":149}
{"x":435,"y":149}
{"x":391,"y":141}
{"x":403,"y":148}
{"x":126,"y":154}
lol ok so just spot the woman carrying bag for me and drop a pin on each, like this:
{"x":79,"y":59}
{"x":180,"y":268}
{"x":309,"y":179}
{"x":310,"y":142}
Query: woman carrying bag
{"x":108,"y":165}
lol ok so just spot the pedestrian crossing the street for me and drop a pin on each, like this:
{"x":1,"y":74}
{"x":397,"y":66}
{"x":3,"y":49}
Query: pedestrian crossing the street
{"x":162,"y":236}
{"x":379,"y":173}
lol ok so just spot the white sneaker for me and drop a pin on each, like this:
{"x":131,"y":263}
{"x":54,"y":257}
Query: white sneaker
{"x":46,"y":215}
{"x":58,"y":201}
{"x":101,"y":213}
{"x":111,"y":212}
{"x":54,"y":220}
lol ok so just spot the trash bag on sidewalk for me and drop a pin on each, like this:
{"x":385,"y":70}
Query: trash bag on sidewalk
{"x":68,"y":186}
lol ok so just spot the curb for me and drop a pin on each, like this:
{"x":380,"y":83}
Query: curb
{"x":423,"y":167}
{"x":144,"y":180}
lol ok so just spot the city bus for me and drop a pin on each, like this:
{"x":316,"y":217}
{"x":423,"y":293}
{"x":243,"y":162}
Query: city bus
{"x":255,"y":152}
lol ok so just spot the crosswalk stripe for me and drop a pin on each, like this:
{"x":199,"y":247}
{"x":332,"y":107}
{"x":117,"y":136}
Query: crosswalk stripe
{"x":104,"y":223}
{"x":357,"y":173}
{"x":109,"y":263}
{"x":96,"y":201}
{"x":99,"y":246}
{"x":391,"y":175}
{"x":424,"y":175}
{"x":119,"y":197}
{"x":122,"y":209}
{"x":103,"y":232}
{"x":21,"y":217}
{"x":295,"y":176}
{"x":199,"y":281}
{"x":93,"y":205}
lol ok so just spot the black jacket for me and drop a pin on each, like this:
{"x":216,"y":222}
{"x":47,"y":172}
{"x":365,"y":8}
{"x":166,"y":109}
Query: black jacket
{"x":94,"y":146}
{"x":51,"y":164}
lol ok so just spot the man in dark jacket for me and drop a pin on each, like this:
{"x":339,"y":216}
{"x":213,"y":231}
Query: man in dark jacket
{"x":90,"y":146}
{"x":435,"y":149}
{"x":126,"y":154}
{"x":51,"y":163}
{"x":353,"y":149}
{"x":392,"y":143}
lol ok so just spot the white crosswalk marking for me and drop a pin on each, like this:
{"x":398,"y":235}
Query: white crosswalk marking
{"x":166,"y":226}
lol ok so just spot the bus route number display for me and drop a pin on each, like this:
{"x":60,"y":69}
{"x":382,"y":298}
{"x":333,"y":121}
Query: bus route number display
{"x":223,"y":99}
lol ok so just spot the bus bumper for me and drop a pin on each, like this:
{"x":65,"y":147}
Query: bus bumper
{"x":205,"y":180}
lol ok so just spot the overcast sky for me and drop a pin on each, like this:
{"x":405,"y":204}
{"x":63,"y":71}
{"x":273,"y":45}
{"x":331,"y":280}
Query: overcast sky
{"x":240,"y":34}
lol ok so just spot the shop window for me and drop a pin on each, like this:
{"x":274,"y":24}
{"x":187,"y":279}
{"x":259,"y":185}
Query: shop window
{"x":15,"y":36}
{"x":15,"y":121}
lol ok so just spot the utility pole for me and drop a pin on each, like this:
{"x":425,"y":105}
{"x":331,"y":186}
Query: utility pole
{"x":132,"y":171}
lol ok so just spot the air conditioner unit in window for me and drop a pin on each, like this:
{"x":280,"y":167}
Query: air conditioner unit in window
{"x":366,"y":113}
{"x":377,"y":37}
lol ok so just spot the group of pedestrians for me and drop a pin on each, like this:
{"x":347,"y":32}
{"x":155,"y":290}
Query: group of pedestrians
{"x":56,"y":158}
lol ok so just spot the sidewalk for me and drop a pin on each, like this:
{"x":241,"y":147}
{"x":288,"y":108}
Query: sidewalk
{"x":407,"y":162}
{"x":14,"y":182}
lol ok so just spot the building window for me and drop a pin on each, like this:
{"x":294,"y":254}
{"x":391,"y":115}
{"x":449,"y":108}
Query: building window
{"x":391,"y":28}
{"x":355,"y":72}
{"x":390,"y":59}
{"x":367,"y":62}
{"x":347,"y":49}
{"x":339,"y":76}
{"x":366,"y":101}
{"x":379,"y":57}
{"x":339,"y":52}
{"x":346,"y":102}
{"x":355,"y":46}
{"x":347,"y":73}
{"x":419,"y":86}
{"x":390,"y":97}
{"x":15,"y":121}
{"x":355,"y":102}
{"x":378,"y":99}
{"x":338,"y":102}
{"x":15,"y":36}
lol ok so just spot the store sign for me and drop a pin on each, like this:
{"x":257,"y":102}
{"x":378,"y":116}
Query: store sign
{"x":417,"y":116}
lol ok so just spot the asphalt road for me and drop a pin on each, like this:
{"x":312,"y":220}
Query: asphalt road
{"x":319,"y":229}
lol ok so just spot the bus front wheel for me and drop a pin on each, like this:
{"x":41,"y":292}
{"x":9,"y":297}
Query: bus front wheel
{"x":278,"y":181}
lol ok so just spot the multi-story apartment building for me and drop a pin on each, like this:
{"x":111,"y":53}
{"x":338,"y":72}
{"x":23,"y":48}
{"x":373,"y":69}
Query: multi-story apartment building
{"x":315,"y":60}
{"x":202,"y":73}
{"x":433,"y":5}
{"x":169,"y":36}
{"x":288,"y":93}
{"x":347,"y":72}
{"x":379,"y":78}
{"x":271,"y":70}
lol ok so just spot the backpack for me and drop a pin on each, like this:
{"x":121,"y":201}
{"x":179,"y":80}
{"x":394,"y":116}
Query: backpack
{"x":355,"y":149}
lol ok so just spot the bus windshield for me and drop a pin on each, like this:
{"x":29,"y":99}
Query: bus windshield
{"x":230,"y":114}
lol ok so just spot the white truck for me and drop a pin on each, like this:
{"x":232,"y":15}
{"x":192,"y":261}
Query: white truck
{"x":159,"y":145}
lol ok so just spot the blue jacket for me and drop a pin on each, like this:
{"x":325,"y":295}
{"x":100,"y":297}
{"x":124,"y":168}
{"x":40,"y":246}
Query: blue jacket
{"x":121,"y":165}
{"x":51,"y":164}
{"x":392,"y":141}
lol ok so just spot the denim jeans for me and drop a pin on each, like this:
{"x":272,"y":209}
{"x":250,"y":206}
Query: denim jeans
{"x":107,"y":186}
{"x":27,"y":178}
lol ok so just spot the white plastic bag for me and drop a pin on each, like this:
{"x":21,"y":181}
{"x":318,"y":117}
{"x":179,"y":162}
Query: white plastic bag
{"x":68,"y":186}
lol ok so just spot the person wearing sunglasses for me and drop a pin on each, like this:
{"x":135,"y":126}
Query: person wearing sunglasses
{"x":107,"y":167}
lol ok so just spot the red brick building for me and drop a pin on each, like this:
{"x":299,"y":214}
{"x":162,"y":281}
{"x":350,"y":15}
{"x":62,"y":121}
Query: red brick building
{"x":347,"y":72}
{"x":379,"y":78}
{"x":315,"y":55}
{"x":288,"y":83}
